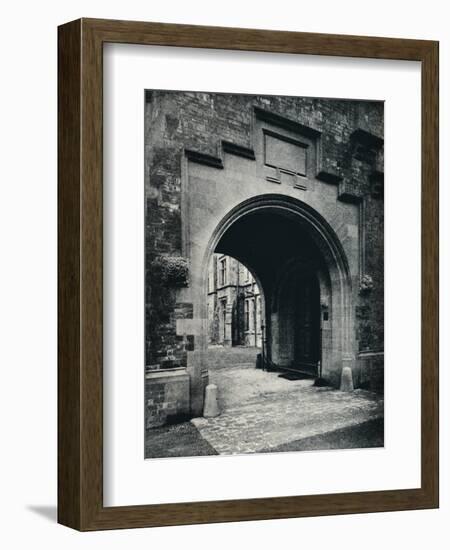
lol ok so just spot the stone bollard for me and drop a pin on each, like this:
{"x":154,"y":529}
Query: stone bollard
{"x":211,"y":407}
{"x":346,"y":379}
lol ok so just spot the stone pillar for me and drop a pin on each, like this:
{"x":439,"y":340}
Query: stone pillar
{"x":347,"y":374}
{"x":228,"y":336}
{"x":211,"y":408}
{"x":346,"y":379}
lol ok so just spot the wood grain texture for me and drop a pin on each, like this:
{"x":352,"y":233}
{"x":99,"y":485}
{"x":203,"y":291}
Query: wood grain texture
{"x":430,"y":273}
{"x":80,"y":262}
{"x":69,"y":243}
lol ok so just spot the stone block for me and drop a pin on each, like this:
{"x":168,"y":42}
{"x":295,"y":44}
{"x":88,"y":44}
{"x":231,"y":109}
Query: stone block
{"x":211,"y":408}
{"x":347,"y":379}
{"x":167,"y":397}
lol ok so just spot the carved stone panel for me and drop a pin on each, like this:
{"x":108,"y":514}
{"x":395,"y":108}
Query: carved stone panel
{"x":285,"y":153}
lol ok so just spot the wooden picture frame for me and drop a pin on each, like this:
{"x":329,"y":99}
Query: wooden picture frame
{"x":80,"y":271}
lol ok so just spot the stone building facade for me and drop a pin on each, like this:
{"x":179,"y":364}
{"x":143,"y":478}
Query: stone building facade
{"x":234,"y":304}
{"x":291,"y":187}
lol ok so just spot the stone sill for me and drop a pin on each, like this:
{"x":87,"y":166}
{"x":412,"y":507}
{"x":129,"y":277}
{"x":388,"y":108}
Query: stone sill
{"x":166,"y":373}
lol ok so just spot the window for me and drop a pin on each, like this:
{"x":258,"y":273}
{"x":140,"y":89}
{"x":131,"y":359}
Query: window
{"x":223,"y":272}
{"x":247,"y":314}
{"x":258,"y":314}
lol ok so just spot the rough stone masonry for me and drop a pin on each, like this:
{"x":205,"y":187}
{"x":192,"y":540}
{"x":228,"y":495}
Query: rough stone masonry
{"x":293,"y":188}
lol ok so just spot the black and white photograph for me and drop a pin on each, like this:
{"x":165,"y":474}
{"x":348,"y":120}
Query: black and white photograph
{"x":264,"y":281}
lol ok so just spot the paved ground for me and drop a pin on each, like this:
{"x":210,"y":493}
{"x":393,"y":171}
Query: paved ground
{"x":262,"y":411}
{"x":185,"y":440}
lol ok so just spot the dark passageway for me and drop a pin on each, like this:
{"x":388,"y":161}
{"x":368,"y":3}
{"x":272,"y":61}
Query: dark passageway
{"x":289,"y":267}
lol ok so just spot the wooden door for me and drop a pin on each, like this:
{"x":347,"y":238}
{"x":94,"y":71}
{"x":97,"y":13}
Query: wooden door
{"x":307,"y":326}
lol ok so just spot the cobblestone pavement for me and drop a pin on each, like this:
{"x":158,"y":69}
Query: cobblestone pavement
{"x":262,"y":411}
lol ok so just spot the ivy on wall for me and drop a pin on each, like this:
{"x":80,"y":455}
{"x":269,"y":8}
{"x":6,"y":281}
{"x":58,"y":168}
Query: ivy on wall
{"x":173,"y":270}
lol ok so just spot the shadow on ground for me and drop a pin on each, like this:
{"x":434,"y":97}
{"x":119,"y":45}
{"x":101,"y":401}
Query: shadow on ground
{"x":48,"y":512}
{"x":175,"y":441}
{"x":362,"y":436}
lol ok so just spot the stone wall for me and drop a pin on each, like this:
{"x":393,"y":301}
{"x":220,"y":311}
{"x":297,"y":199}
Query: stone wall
{"x":350,"y":157}
{"x":166,"y":397}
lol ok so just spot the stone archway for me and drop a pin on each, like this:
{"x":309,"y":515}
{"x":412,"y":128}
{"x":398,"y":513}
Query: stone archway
{"x":286,"y":243}
{"x":302,"y":177}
